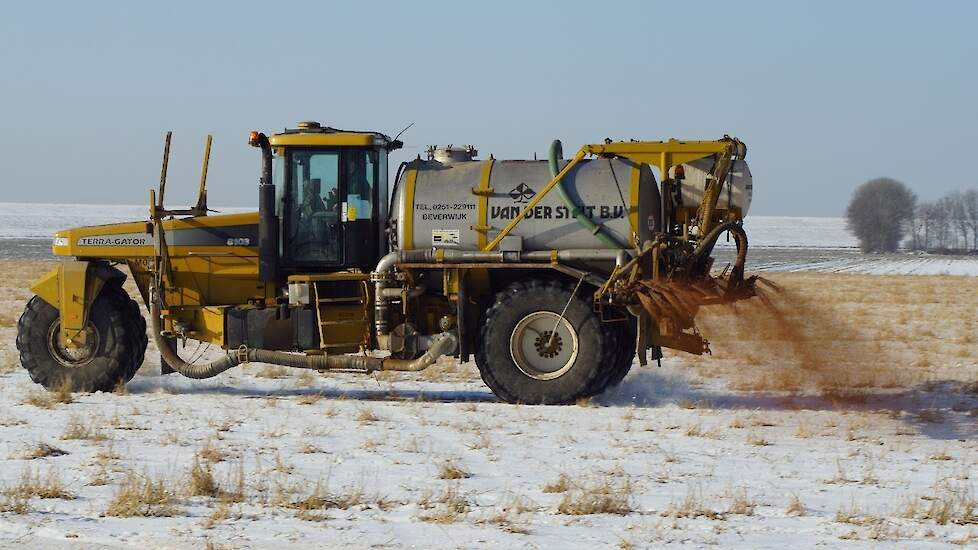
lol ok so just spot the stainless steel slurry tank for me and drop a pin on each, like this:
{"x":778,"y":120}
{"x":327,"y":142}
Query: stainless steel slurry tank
{"x":737,"y":191}
{"x":464,"y":204}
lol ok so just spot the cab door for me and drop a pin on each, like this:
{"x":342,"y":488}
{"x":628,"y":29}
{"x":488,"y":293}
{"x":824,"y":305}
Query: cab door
{"x":360,"y":217}
{"x":313,"y":236}
{"x":331,"y":221}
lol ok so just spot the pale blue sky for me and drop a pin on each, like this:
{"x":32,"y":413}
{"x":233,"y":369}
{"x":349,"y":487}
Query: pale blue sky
{"x":826,"y":94}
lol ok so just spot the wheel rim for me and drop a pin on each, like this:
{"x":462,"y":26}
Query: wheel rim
{"x":72,"y":357}
{"x":535,"y":353}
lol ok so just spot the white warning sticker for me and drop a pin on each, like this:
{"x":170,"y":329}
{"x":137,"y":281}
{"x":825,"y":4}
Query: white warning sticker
{"x":445,"y":237}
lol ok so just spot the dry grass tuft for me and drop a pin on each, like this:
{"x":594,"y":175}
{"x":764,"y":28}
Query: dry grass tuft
{"x":310,"y":398}
{"x":143,"y":496}
{"x":942,"y":455}
{"x":795,"y":507}
{"x":449,"y":507}
{"x":741,"y":504}
{"x":201,"y":481}
{"x":76,"y":429}
{"x":63,"y":392}
{"x":306,"y":379}
{"x":853,"y":515}
{"x":272,"y":371}
{"x":40,"y":399}
{"x":691,"y":506}
{"x":507,"y":517}
{"x":220,"y":513}
{"x":313,"y":506}
{"x":947,"y":504}
{"x":32,"y":484}
{"x":366,"y":415}
{"x":450,"y":470}
{"x":14,"y":504}
{"x":757,"y":440}
{"x":562,"y":485}
{"x":605,"y":496}
{"x":43,"y":450}
{"x":210,"y":453}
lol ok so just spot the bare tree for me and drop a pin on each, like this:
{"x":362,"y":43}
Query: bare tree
{"x":942,"y":224}
{"x":969,"y":202}
{"x":879,"y":214}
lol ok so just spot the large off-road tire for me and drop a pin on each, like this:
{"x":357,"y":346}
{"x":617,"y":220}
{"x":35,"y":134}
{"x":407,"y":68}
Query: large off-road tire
{"x":620,"y":335}
{"x":116,"y":336}
{"x":513,"y":355}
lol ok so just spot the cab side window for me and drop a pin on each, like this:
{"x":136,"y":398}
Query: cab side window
{"x":361,"y":167}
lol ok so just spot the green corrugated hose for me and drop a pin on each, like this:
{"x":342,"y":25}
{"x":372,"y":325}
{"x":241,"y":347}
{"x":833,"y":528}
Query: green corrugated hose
{"x":557,"y":151}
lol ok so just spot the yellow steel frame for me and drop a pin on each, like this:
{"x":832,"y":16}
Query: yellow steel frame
{"x":482,"y":226}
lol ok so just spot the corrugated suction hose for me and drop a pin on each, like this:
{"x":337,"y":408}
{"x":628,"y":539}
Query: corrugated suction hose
{"x":443,"y":345}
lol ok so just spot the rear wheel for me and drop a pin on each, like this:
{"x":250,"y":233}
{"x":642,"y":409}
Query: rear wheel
{"x":529,"y":353}
{"x":115,"y":344}
{"x":622,"y":334}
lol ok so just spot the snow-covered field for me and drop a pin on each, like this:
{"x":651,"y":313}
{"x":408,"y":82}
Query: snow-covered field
{"x":743,"y":449}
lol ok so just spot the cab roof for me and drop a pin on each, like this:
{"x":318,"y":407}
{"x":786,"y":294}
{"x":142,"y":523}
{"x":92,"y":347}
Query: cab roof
{"x":313,"y":134}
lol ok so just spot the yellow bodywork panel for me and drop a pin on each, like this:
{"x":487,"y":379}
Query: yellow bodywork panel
{"x":71,"y":288}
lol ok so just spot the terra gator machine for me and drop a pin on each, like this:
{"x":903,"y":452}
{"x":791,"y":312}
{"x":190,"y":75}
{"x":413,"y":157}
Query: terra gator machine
{"x":553,"y":274}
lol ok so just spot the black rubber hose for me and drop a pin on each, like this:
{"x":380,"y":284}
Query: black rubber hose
{"x":704,"y":249}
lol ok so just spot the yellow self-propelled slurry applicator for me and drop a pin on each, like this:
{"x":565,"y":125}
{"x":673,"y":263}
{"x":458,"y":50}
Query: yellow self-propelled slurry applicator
{"x":553,"y":274}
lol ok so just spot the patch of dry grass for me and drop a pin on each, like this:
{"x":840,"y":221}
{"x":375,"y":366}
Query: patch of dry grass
{"x":42,"y":450}
{"x":272,"y":371}
{"x":314,"y":505}
{"x":754,"y":438}
{"x":451,"y":470}
{"x":7,"y":321}
{"x":210,"y":453}
{"x":41,"y":399}
{"x":946,"y":504}
{"x":602,"y":496}
{"x":795,"y":507}
{"x":853,"y":515}
{"x":561,"y":485}
{"x":78,"y":429}
{"x":201,"y":482}
{"x":448,"y":507}
{"x":32,"y":484}
{"x":309,"y":398}
{"x":692,"y":505}
{"x":144,"y":496}
{"x":366,"y":415}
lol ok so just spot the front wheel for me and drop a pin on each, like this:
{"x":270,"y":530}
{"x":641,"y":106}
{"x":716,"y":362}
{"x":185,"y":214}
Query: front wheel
{"x":530,"y":353}
{"x":115,"y":339}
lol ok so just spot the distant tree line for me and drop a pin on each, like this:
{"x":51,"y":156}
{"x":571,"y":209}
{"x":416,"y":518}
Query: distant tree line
{"x":883,"y":212}
{"x":947,"y":225}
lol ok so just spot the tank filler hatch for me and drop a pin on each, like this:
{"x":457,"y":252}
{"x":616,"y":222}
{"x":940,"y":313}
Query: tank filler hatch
{"x":451,"y":153}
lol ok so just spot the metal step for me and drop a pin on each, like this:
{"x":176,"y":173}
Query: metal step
{"x":352,"y":299}
{"x":344,"y":322}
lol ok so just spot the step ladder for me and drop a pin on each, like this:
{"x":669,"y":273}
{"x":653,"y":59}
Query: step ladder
{"x":342,"y":311}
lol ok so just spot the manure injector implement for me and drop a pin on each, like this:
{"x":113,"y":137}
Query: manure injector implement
{"x":553,"y":274}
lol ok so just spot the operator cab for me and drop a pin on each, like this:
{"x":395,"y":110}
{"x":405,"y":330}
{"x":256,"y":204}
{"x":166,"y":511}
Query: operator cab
{"x":331,"y":197}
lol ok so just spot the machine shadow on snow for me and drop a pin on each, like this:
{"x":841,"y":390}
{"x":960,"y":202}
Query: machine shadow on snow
{"x":943,"y":410}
